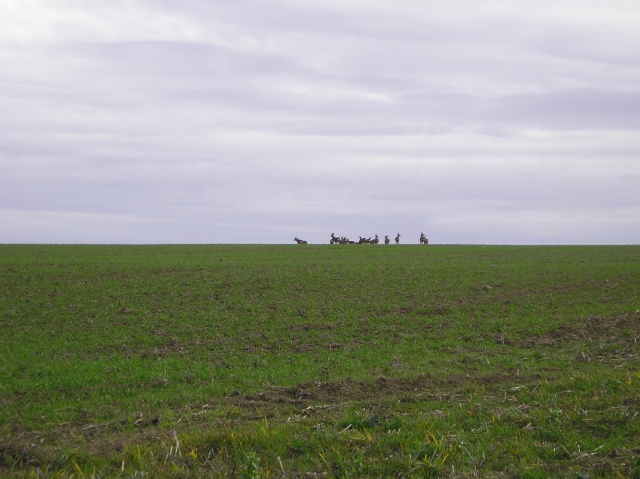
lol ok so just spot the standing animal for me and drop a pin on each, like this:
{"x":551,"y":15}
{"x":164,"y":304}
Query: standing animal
{"x":398,"y":239}
{"x":423,"y":239}
{"x":386,"y":239}
{"x":299,"y":241}
{"x":375,"y":241}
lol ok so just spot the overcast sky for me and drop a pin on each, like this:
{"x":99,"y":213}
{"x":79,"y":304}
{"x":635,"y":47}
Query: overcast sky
{"x":245,"y":121}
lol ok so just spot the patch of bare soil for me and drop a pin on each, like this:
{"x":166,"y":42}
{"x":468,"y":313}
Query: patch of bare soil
{"x":310,"y":326}
{"x":381,"y":389}
{"x":624,"y":328}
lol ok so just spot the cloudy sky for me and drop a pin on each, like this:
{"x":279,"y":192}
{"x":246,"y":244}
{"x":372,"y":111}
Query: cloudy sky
{"x":205,"y":121}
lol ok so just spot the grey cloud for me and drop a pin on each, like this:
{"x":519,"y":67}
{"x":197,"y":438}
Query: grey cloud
{"x":210,"y":122}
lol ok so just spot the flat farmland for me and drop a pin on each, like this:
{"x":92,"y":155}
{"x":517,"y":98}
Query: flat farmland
{"x":319,"y":361}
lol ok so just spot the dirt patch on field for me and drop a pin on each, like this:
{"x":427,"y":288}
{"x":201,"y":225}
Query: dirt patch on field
{"x":380,"y":389}
{"x":310,"y":326}
{"x":624,"y":327}
{"x":612,"y":340}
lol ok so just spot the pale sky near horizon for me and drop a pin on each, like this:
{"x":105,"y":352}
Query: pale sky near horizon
{"x":199,"y":121}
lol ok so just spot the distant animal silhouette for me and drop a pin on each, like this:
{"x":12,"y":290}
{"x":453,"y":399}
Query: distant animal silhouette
{"x":299,"y":241}
{"x":342,"y":240}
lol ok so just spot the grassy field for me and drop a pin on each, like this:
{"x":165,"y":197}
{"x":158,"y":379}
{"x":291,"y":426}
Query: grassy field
{"x":319,"y":361}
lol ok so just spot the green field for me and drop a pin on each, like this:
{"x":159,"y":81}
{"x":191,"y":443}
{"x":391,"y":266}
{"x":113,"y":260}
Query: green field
{"x":319,"y":361}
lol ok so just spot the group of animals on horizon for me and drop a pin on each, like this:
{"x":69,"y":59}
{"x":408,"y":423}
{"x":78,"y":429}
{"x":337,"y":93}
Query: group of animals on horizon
{"x":344,"y":240}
